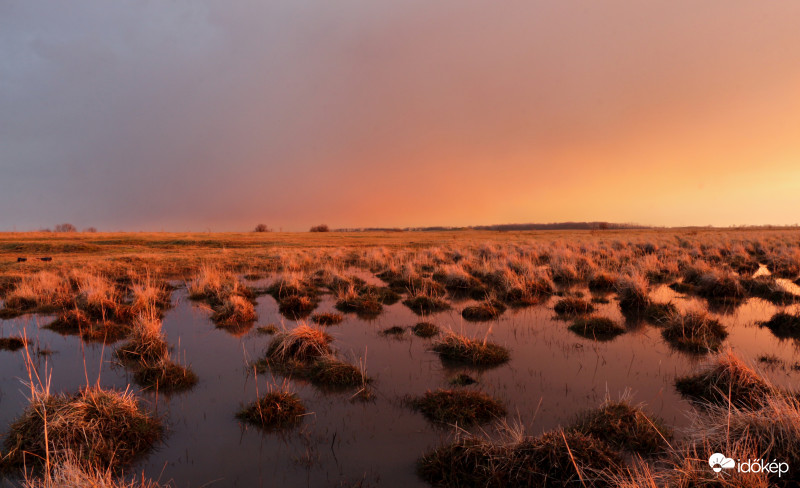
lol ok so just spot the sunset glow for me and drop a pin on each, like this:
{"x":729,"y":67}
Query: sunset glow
{"x":208,"y":115}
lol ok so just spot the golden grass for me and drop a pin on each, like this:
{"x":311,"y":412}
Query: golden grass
{"x":102,"y":428}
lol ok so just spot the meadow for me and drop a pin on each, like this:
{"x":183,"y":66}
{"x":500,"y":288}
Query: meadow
{"x":459,"y":358}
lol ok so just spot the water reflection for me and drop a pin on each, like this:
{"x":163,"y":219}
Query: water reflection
{"x":551,"y":376}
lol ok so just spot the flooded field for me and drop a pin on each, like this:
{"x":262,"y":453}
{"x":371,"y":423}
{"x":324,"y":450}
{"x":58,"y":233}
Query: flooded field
{"x":565,"y":330}
{"x":553,"y":374}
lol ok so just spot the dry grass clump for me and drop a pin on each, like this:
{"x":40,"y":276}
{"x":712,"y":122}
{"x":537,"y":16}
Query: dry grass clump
{"x":460,"y":349}
{"x":165,"y":376}
{"x":694,"y":331}
{"x":726,"y":379}
{"x":770,"y":432}
{"x":277,"y":409}
{"x":43,"y":291}
{"x":303,"y":344}
{"x":687,"y":466}
{"x":212,"y":284}
{"x":554,"y":459}
{"x":12,"y":343}
{"x":295,"y":296}
{"x":784,"y":263}
{"x":327,"y":318}
{"x":783,"y":325}
{"x":103,"y":428}
{"x":364,"y":304}
{"x":234,"y":312}
{"x":147,"y":342}
{"x":517,"y":283}
{"x":602,"y":281}
{"x":331,"y":372}
{"x":624,"y":426}
{"x":659,"y":313}
{"x":633,"y":292}
{"x":231,"y":301}
{"x":75,"y":321}
{"x":424,"y":300}
{"x":720,"y":286}
{"x":485,"y":310}
{"x":767,"y":288}
{"x":572,"y":306}
{"x":297,"y":306}
{"x":457,"y":280}
{"x":66,"y":471}
{"x":304,"y":352}
{"x":597,"y":328}
{"x":460,"y":407}
{"x":425,"y":329}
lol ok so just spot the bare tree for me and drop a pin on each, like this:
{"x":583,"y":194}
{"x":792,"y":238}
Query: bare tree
{"x":262,"y":228}
{"x":65,"y":227}
{"x":320,"y":228}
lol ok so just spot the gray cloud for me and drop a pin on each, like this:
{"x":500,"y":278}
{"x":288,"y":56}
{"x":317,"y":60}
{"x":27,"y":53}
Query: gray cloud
{"x":200,"y":114}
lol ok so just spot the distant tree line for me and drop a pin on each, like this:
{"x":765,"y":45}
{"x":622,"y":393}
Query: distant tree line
{"x":507,"y":227}
{"x":67,"y":227}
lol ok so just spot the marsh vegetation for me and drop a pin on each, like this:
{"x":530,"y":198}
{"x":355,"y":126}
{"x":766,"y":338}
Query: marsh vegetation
{"x":155,"y":344}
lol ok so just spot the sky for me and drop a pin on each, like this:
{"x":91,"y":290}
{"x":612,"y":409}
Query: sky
{"x":218,"y":115}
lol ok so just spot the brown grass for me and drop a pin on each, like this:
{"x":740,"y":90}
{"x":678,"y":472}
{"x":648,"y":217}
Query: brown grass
{"x":103,"y":428}
{"x":461,"y":349}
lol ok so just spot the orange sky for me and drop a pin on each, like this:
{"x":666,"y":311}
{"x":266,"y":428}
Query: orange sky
{"x":204,"y":114}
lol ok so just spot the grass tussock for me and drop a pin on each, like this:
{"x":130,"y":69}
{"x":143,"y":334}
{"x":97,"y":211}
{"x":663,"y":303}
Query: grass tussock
{"x":327,"y":318}
{"x":146,"y":343}
{"x":303,"y":343}
{"x":783,"y":325}
{"x":459,"y":407}
{"x":425,"y":299}
{"x":234,"y":312}
{"x":695,"y":332}
{"x":295,"y":296}
{"x":366,"y":301}
{"x":726,"y":379}
{"x":659,"y":313}
{"x":275,"y":410}
{"x":624,"y":426}
{"x":633,"y":293}
{"x":165,"y":376}
{"x":305,"y":353}
{"x":461,"y":349}
{"x":573,"y":306}
{"x":102,"y":428}
{"x":770,"y":432}
{"x":75,"y":321}
{"x":596,"y":328}
{"x":331,"y":372}
{"x":767,"y":288}
{"x":66,"y":471}
{"x":484,"y":311}
{"x":425,"y":330}
{"x":554,"y":459}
